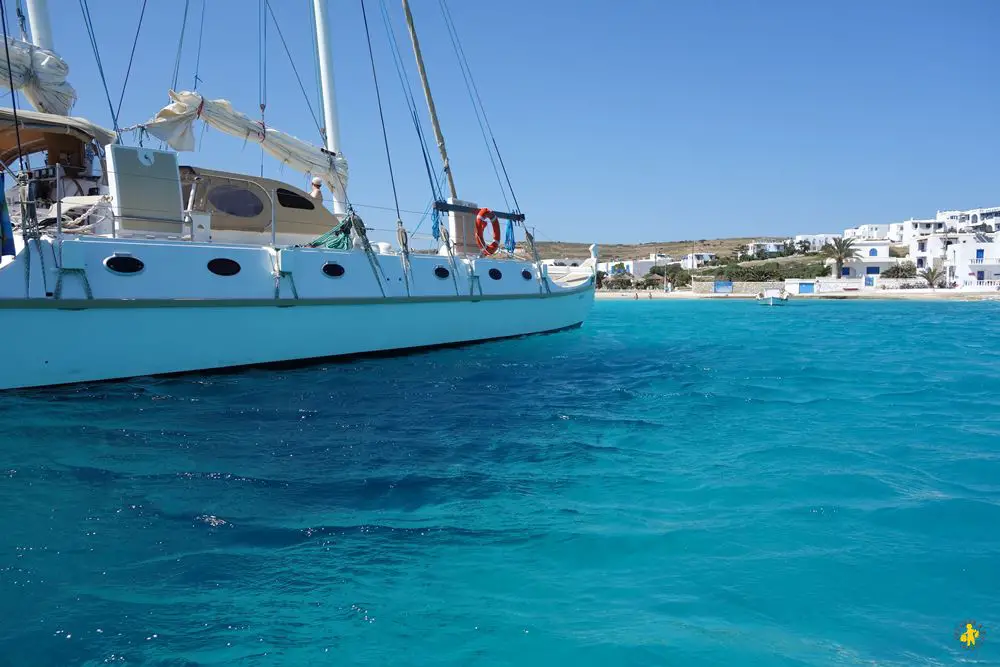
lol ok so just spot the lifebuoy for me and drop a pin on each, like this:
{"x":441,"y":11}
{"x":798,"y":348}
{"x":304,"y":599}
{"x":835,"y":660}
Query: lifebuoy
{"x":485,"y":216}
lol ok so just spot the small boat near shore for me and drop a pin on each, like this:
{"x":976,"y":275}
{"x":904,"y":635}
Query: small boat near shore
{"x":772,"y":297}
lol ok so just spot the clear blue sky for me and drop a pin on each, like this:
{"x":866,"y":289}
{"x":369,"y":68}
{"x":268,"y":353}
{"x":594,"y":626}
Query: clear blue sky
{"x":620,"y":121}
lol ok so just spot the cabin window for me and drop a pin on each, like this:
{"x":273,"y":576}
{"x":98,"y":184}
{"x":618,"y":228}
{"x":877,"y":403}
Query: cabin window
{"x":124,"y":264}
{"x":234,"y":200}
{"x":526,"y":274}
{"x":289,"y":199}
{"x":441,"y":272}
{"x":333,"y":269}
{"x":223,"y":266}
{"x":495,"y":274}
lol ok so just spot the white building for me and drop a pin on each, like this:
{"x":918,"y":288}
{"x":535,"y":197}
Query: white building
{"x":873,"y":258}
{"x":814,"y":241}
{"x":637,"y":268}
{"x":974,"y":261}
{"x":970,"y":217}
{"x":931,"y":250}
{"x":878,"y":231}
{"x":696,"y":259}
{"x":766,"y":247}
{"x":904,"y":232}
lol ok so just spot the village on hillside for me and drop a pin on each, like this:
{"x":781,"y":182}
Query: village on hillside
{"x":956,"y":249}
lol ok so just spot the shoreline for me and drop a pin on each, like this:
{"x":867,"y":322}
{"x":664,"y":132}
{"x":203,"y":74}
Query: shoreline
{"x":870,"y":295}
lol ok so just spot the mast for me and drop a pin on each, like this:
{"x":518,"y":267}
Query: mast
{"x":331,"y":129}
{"x":430,"y":100}
{"x":41,"y":28}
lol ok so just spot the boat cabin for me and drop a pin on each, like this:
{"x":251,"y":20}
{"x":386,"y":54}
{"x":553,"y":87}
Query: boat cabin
{"x":47,"y":140}
{"x":241,"y":205}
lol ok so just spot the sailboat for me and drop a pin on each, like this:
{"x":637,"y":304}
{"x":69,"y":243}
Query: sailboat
{"x":124,"y":263}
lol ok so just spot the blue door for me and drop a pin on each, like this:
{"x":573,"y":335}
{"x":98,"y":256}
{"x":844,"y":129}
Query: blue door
{"x":869,"y":281}
{"x":980,"y":253}
{"x":980,"y":275}
{"x":807,"y":288}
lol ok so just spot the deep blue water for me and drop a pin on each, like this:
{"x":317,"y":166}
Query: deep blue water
{"x":677,"y":483}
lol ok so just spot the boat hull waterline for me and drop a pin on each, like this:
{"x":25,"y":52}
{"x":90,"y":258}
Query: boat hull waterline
{"x":141,"y":340}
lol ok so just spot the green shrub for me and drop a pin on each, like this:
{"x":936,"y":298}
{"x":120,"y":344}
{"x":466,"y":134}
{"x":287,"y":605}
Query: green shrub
{"x":901,"y":270}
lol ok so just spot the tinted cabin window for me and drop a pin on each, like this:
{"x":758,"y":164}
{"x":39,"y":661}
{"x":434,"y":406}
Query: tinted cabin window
{"x":222,"y":266}
{"x":290,"y":199}
{"x":441,"y":272}
{"x":235,"y":200}
{"x":333,"y":269}
{"x":125,"y":264}
{"x":495,"y":274}
{"x":526,"y":274}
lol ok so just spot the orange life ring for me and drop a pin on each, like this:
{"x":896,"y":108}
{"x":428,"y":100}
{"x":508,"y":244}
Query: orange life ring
{"x":485,"y":216}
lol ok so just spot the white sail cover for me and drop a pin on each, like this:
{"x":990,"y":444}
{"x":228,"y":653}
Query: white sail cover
{"x":40,"y":74}
{"x":174,"y":124}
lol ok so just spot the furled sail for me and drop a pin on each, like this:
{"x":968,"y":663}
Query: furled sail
{"x":174,"y":124}
{"x":40,"y":74}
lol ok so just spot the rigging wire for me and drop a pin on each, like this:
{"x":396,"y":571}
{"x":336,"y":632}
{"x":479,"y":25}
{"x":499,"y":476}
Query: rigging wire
{"x":91,"y":33}
{"x":404,"y":81}
{"x":135,"y":42}
{"x":474,"y":90}
{"x":262,"y":74}
{"x":10,"y":79}
{"x":295,"y":70}
{"x":378,"y":97}
{"x":197,"y":59}
{"x":467,"y":76}
{"x":180,"y":46}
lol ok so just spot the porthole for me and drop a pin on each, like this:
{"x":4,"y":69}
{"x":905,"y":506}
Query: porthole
{"x":526,"y":274}
{"x":441,"y":272}
{"x":495,"y":274}
{"x":124,"y":264}
{"x":223,"y":266}
{"x":333,"y":269}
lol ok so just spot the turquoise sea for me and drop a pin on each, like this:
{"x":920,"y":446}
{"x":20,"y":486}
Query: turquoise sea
{"x":676,"y":483}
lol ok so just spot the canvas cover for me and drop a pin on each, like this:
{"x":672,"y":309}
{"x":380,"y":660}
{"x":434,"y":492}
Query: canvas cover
{"x":174,"y":124}
{"x":40,"y":74}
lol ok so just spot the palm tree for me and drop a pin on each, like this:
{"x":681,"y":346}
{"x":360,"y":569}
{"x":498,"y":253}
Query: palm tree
{"x":840,"y":251}
{"x":932,"y":275}
{"x":804,"y":246}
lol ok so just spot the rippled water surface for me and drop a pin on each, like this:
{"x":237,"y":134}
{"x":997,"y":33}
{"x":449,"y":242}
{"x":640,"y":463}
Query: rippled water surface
{"x":695,"y":483}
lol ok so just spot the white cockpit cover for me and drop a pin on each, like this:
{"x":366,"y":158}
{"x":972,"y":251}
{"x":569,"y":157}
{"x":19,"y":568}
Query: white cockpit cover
{"x":40,"y":74}
{"x":174,"y":124}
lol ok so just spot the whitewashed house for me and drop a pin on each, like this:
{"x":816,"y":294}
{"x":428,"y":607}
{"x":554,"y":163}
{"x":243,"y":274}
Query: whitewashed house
{"x":931,"y":250}
{"x":767,"y":247}
{"x":970,"y":217}
{"x":974,"y":261}
{"x":636,"y":267}
{"x":872,"y":231}
{"x":904,"y":232}
{"x":815,"y":241}
{"x":695,"y":259}
{"x":873,"y":258}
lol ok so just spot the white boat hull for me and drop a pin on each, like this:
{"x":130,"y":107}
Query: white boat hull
{"x":76,"y":339}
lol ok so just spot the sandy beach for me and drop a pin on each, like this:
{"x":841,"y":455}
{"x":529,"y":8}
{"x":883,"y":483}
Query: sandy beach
{"x":884,"y":295}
